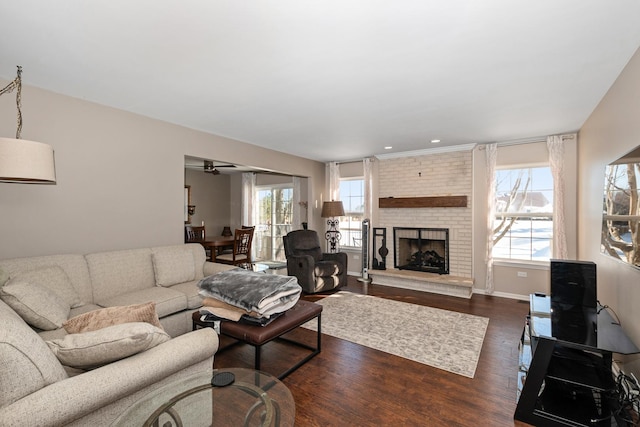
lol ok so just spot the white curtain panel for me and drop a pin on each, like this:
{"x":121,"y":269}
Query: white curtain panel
{"x":297,"y":214}
{"x":367,"y":165}
{"x":491,"y":151}
{"x":333,"y":181}
{"x":248,"y":189}
{"x":555,"y":146}
{"x":248,"y":207}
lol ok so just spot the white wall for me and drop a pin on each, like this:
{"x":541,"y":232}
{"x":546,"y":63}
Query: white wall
{"x":211,"y":195}
{"x":612,"y":130}
{"x":120,"y":177}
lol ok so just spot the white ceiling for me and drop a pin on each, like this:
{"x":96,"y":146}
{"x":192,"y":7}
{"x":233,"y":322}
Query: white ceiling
{"x":331,"y":79}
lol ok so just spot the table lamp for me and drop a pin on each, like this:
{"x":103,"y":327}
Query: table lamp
{"x":332,"y":210}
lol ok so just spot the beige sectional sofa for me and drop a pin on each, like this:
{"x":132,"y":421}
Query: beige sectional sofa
{"x":36,"y":389}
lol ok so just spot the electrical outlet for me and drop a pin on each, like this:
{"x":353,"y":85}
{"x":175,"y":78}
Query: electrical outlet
{"x":522,"y":274}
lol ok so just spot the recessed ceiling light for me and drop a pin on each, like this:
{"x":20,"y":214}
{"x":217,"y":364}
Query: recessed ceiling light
{"x":435,"y":141}
{"x":388,"y":147}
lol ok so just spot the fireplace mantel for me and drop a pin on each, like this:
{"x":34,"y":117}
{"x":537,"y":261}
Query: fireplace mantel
{"x":423,"y":202}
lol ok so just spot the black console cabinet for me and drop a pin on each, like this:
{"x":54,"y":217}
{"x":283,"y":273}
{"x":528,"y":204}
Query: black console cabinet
{"x":565,"y":376}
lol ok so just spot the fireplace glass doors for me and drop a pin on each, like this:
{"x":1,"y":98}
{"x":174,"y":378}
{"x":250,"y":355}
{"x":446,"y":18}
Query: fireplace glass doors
{"x":421,"y":249}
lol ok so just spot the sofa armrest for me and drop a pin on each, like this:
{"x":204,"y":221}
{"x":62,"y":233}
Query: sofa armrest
{"x":301,"y":266}
{"x":211,"y":268}
{"x":69,"y":399}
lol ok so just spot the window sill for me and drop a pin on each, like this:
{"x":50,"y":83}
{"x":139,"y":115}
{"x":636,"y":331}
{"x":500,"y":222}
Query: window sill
{"x":533,"y":265}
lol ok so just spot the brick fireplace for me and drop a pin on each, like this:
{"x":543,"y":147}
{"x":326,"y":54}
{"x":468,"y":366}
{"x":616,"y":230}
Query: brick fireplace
{"x":439,"y":174}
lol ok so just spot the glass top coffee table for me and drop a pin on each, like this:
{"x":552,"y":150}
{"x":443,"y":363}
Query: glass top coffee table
{"x":254,"y":398}
{"x":257,"y":267}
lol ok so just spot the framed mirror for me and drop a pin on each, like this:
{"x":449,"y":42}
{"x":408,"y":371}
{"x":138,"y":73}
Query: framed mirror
{"x":621,"y":209}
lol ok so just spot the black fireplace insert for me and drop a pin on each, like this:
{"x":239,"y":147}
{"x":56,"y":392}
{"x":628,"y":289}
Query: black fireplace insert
{"x":421,"y":249}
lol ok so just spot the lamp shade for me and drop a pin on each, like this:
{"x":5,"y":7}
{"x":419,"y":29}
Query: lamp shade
{"x":26,"y":162}
{"x":332,"y":209}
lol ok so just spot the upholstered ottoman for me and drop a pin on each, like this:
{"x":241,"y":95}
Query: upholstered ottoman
{"x":257,"y":336}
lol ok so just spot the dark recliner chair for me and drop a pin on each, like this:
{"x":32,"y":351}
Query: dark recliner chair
{"x":316,"y":271}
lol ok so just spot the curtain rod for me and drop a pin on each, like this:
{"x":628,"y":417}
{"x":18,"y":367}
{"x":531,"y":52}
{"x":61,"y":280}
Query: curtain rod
{"x":354,"y":161}
{"x":526,"y":141}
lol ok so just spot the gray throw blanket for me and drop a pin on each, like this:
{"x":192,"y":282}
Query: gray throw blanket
{"x":265,"y":294}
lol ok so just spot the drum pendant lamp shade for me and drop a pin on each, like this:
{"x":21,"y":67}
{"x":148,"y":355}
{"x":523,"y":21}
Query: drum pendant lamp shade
{"x":23,"y":161}
{"x":26,"y":162}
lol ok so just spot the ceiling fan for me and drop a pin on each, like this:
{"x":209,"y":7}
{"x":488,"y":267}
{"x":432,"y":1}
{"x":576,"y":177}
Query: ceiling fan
{"x":209,"y":167}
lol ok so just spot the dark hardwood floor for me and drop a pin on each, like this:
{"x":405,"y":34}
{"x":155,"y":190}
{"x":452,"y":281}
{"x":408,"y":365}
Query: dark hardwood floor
{"x":348,"y":384}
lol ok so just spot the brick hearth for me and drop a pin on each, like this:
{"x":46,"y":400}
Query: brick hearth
{"x":445,"y":284}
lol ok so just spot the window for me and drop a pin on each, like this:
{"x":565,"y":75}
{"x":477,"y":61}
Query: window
{"x":523,"y":228}
{"x":274,"y":209}
{"x":352,"y":197}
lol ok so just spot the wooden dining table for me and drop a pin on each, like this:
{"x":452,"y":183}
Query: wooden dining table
{"x":216,"y":243}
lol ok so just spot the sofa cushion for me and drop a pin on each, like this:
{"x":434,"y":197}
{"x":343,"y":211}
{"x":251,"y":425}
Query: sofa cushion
{"x":199,"y":258}
{"x":54,"y":278}
{"x":52,"y":334}
{"x":74,"y":265}
{"x":110,"y":316}
{"x":173,"y":265}
{"x":61,"y":332}
{"x":92,"y":349}
{"x":83,"y":309}
{"x":27,"y":363}
{"x":38,"y":305}
{"x":168,"y":301}
{"x":211,"y":268}
{"x":190,"y":290}
{"x":120,"y":272}
{"x":4,"y":276}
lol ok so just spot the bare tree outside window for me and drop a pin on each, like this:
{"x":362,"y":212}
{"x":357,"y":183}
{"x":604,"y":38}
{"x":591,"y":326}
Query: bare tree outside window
{"x":621,"y":212}
{"x":506,"y":203}
{"x":523,"y":226}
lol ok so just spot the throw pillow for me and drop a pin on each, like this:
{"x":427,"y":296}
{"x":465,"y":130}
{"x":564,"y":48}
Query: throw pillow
{"x":37,"y":305}
{"x":54,"y":278}
{"x":4,"y":276}
{"x":104,"y":317}
{"x":92,"y":349}
{"x":173,"y":265}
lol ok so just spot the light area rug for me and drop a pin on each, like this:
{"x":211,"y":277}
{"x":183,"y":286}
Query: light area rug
{"x":443,"y":339}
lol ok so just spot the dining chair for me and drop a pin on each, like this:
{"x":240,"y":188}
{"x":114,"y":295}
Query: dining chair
{"x":194,"y":233}
{"x":230,"y":250}
{"x":241,"y":253}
